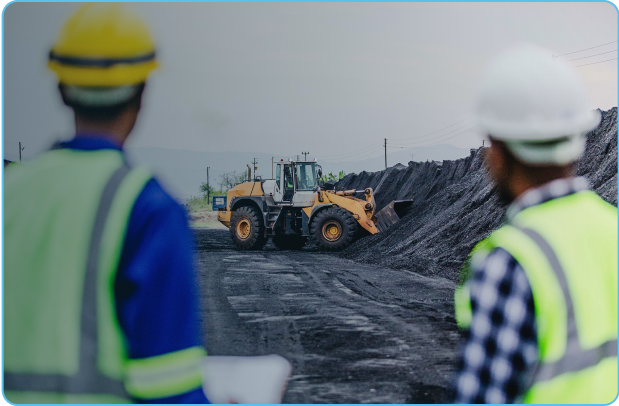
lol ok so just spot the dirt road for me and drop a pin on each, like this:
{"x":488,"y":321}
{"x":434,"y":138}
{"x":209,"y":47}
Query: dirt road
{"x":354,"y":333}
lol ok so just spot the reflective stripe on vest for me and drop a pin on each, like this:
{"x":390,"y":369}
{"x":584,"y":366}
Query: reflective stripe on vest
{"x":88,"y":379}
{"x":575,"y":358}
{"x":165,"y":375}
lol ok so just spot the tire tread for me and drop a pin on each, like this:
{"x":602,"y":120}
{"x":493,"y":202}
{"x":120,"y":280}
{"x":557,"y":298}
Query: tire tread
{"x":256,"y":240}
{"x":345,"y":218}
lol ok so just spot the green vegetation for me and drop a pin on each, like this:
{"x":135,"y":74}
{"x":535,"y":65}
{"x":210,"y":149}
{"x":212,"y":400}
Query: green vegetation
{"x":195,"y":204}
{"x":227,"y":181}
{"x":331,"y":176}
{"x":206,"y":189}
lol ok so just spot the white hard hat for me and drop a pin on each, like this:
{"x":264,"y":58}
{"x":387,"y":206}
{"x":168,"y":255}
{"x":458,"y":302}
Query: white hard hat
{"x":537,"y":105}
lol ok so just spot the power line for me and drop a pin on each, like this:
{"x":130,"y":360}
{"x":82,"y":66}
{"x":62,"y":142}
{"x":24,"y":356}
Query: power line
{"x":351,"y":152}
{"x":453,"y":136}
{"x":434,"y":132}
{"x":379,"y":148}
{"x":593,"y":63}
{"x":441,"y":148}
{"x":586,"y":49}
{"x":372,"y":147}
{"x":432,"y":143}
{"x":437,"y":141}
{"x":590,"y":56}
{"x":357,"y":152}
{"x":361,"y":157}
{"x":406,"y":144}
{"x":419,"y":146}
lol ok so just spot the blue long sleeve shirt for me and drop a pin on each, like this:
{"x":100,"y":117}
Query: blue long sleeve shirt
{"x":155,"y":286}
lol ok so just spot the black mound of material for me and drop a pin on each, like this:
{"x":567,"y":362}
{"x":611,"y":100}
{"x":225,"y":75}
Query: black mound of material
{"x":455,"y":205}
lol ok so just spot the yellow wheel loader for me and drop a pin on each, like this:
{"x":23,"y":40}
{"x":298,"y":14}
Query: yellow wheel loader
{"x":293,"y":207}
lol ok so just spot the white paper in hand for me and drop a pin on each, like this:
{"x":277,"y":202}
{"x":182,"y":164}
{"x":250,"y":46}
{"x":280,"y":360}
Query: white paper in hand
{"x":245,"y":379}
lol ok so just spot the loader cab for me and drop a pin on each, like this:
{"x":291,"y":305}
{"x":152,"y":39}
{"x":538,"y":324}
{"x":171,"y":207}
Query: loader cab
{"x":296,"y":183}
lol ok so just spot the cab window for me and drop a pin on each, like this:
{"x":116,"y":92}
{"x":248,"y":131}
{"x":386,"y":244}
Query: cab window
{"x":288,"y":177}
{"x":306,"y":178}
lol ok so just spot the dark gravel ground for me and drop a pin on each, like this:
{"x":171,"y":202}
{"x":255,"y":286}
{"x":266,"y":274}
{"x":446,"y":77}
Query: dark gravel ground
{"x":375,"y":323}
{"x":354,"y":333}
{"x":455,"y":206}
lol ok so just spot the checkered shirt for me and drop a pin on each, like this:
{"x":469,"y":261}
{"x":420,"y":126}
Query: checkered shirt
{"x":500,"y":354}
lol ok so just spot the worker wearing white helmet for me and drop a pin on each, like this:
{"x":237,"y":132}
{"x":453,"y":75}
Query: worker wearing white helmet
{"x":99,"y":296}
{"x":538,"y":300}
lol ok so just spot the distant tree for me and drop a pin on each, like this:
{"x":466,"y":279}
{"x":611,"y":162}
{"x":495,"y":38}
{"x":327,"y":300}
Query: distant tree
{"x":206,"y":189}
{"x":228,"y":180}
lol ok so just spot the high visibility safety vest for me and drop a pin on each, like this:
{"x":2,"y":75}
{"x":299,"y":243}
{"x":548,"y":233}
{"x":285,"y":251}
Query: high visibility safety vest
{"x":568,"y":250}
{"x":65,"y":220}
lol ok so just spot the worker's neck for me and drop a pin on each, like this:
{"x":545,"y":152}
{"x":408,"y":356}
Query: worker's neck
{"x":116,"y":129}
{"x":88,"y":131}
{"x":526,"y":179}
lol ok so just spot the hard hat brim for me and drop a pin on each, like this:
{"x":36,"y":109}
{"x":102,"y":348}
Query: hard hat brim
{"x":560,"y":153}
{"x":98,"y":96}
{"x":532,"y":129}
{"x":116,"y":75}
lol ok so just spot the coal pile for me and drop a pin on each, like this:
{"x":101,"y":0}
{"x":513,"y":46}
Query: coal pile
{"x":455,"y":205}
{"x":599,"y":164}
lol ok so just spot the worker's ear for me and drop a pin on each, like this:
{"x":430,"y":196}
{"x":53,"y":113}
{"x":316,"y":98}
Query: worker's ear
{"x":497,"y":159}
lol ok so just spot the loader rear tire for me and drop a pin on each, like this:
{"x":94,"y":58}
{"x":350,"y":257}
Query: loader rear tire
{"x":247,"y":229}
{"x":289,"y":242}
{"x":334,"y":229}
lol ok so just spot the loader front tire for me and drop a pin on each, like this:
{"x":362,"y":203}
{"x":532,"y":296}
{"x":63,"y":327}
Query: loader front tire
{"x":247,"y":229}
{"x":289,"y":242}
{"x":334,"y":229}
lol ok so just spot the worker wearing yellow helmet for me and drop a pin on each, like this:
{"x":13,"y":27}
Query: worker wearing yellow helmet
{"x":102,"y":57}
{"x":539,"y":298}
{"x":99,"y":297}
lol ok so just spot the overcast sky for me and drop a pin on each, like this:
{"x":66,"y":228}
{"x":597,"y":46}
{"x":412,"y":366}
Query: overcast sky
{"x":282,"y":78}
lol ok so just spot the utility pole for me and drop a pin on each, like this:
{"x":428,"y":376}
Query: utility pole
{"x":208,"y":186}
{"x":305,"y":153}
{"x":255,"y":163}
{"x":297,"y":157}
{"x":385,"y":153}
{"x":482,"y":143}
{"x":20,"y":150}
{"x":272,"y":167}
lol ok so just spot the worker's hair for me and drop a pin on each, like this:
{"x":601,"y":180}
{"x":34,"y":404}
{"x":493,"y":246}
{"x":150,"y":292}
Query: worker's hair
{"x":101,"y":113}
{"x":539,"y":174}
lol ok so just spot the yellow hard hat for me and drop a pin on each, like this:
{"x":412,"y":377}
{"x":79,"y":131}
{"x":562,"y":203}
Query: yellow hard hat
{"x":103,"y":45}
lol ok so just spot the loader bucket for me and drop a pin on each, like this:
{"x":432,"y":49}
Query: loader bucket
{"x":391,"y":214}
